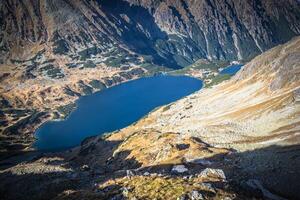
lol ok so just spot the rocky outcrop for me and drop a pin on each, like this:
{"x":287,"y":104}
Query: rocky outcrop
{"x":223,"y":29}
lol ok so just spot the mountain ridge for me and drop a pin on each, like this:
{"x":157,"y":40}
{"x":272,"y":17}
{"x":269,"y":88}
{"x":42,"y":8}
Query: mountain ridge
{"x":199,"y":29}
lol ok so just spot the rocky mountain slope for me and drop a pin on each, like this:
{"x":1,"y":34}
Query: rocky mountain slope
{"x":252,"y":119}
{"x":212,"y":144}
{"x":174,"y":32}
{"x":257,"y":110}
{"x":236,"y":140}
{"x":53,"y":51}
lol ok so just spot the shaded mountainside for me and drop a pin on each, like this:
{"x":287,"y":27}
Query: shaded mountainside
{"x":236,"y":140}
{"x":172,"y":32}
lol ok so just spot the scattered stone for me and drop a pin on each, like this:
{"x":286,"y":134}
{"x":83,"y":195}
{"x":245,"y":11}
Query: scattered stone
{"x":297,"y":95}
{"x":125,"y":191}
{"x":182,"y":146}
{"x":208,"y":187}
{"x":129,"y":173}
{"x":213,"y":173}
{"x":146,"y":174}
{"x":189,"y":107}
{"x":84,"y":168}
{"x":195,"y":195}
{"x":153,"y":174}
{"x":183,"y":197}
{"x":179,"y":169}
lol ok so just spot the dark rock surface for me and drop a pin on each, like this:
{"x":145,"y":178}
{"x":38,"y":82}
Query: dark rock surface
{"x":173,"y":33}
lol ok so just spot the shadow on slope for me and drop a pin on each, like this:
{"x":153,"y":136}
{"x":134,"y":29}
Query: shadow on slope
{"x":277,"y":167}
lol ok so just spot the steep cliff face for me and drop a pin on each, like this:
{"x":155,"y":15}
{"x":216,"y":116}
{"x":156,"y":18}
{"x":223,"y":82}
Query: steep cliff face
{"x":174,"y":33}
{"x":220,"y":29}
{"x":78,"y":30}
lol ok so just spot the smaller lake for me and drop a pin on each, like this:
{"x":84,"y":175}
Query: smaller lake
{"x":112,"y":109}
{"x":231,"y":70}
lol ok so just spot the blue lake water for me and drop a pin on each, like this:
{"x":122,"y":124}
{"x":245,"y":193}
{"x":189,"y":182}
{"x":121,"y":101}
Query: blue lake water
{"x":231,"y":70}
{"x":113,"y":109}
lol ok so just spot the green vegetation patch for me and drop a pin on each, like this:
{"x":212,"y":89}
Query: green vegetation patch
{"x":86,"y":90}
{"x":33,"y":59}
{"x":66,"y":109}
{"x":149,"y":187}
{"x":55,"y":73}
{"x":72,"y":65}
{"x":4,"y":103}
{"x":202,"y":64}
{"x":153,"y":69}
{"x":60,"y":47}
{"x":52,"y":71}
{"x":17,"y":112}
{"x":97,"y":84}
{"x":218,"y":79}
{"x":87,"y":53}
{"x":89,"y":64}
{"x":115,"y":61}
{"x":70,"y":92}
{"x":48,"y":61}
{"x":21,"y":124}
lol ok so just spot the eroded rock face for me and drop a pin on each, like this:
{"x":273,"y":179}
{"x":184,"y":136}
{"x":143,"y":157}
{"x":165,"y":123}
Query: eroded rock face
{"x":215,"y":173}
{"x":175,"y":33}
{"x":223,"y":29}
{"x":179,"y":169}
